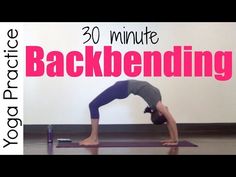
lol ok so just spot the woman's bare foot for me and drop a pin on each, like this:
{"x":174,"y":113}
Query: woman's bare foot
{"x":169,"y":142}
{"x":90,"y":141}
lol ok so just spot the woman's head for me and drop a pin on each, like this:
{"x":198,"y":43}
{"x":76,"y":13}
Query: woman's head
{"x":158,"y":118}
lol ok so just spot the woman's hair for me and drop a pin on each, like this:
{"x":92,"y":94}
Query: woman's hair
{"x":157,"y":119}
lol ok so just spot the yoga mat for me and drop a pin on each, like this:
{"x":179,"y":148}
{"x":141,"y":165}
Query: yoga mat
{"x":127,"y":144}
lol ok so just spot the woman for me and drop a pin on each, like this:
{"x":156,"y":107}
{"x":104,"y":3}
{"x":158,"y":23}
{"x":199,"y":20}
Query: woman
{"x":121,"y":90}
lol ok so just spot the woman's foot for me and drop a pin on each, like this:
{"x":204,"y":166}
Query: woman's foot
{"x":90,"y":141}
{"x":169,"y":142}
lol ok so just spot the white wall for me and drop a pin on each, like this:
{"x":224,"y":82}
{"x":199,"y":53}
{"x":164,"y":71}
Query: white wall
{"x":191,"y":100}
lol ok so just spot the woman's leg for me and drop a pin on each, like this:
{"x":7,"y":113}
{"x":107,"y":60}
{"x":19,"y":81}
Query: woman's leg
{"x":93,"y":138}
{"x":117,"y":91}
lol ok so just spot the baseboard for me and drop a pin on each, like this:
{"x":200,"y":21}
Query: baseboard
{"x":202,"y":128}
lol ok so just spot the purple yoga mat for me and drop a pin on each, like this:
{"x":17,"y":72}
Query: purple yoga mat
{"x":127,"y":144}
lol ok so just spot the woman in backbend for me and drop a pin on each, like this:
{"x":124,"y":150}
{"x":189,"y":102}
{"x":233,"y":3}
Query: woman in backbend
{"x":122,"y":89}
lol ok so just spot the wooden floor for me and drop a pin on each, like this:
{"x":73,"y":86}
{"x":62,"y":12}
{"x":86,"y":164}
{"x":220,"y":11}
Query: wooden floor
{"x":207,"y":145}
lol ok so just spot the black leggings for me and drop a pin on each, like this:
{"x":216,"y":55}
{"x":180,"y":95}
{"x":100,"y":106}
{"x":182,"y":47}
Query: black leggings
{"x":117,"y":91}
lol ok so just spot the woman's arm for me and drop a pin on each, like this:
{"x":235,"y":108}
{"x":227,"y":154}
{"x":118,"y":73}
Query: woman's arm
{"x":171,"y":124}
